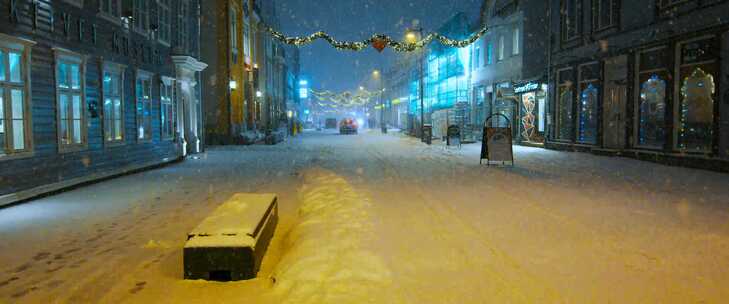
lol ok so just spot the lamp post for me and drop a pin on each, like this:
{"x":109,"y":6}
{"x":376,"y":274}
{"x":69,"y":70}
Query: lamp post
{"x":381,"y":90}
{"x":412,"y":36}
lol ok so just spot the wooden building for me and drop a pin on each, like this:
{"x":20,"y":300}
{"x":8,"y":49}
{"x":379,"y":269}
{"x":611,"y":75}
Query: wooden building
{"x":95,"y":88}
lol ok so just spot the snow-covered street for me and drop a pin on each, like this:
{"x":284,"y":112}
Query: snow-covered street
{"x":377,"y":218}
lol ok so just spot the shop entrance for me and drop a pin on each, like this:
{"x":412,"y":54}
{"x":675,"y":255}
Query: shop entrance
{"x":614,"y":101}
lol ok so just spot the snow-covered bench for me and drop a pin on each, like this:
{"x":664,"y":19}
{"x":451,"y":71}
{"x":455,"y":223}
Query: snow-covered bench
{"x":230,"y":243}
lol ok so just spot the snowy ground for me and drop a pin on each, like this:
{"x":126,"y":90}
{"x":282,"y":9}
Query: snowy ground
{"x":384,"y":219}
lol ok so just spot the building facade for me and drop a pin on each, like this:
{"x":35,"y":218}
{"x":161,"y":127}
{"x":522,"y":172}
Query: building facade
{"x":509,"y":68}
{"x":91,"y":89}
{"x":644,"y":79}
{"x":246,"y":84}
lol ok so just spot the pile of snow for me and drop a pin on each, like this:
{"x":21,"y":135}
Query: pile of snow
{"x":327,"y":259}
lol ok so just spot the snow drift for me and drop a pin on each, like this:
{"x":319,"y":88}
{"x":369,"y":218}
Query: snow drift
{"x":327,"y":259}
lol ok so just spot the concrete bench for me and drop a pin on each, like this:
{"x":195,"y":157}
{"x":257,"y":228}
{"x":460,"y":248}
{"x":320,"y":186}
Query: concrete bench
{"x":230,"y":243}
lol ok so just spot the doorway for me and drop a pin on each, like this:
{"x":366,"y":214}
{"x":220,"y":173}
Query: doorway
{"x":614,"y":102}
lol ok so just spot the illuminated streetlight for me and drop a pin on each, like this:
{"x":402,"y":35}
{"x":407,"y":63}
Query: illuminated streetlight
{"x":411,"y":37}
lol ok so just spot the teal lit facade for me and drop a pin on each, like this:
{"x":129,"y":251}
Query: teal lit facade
{"x":446,"y":72}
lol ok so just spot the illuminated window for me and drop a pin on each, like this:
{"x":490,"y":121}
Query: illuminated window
{"x":144,"y":105}
{"x":515,"y":41}
{"x":167,"y":109}
{"x":502,"y":47}
{"x":696,"y":111}
{"x":70,"y":85}
{"x":15,"y":134}
{"x":652,"y":110}
{"x":113,"y":109}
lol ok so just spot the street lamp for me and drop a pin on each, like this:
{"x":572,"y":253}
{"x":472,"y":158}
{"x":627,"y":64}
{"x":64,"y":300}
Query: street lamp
{"x":412,"y":36}
{"x":376,"y":75}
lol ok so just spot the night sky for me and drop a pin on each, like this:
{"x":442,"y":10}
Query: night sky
{"x":350,"y":20}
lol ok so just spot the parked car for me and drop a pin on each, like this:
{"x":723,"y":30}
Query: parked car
{"x":348,"y":126}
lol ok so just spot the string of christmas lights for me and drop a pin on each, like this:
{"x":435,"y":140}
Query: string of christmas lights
{"x":344,"y":99}
{"x":377,"y":41}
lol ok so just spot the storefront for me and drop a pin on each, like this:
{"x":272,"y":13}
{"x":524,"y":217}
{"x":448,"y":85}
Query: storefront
{"x":676,"y":105}
{"x":532,"y":98}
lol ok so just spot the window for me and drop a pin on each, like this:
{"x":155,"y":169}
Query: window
{"x":605,"y":14}
{"x":144,"y":105}
{"x":15,"y":134}
{"x":247,"y":38}
{"x":183,"y":26}
{"x":110,"y":8}
{"x":698,"y":71}
{"x":696,"y":111}
{"x":652,"y":109}
{"x":588,"y":102}
{"x":502,"y":47}
{"x":476,"y":57}
{"x":234,"y":34}
{"x":653,"y":82}
{"x":164,"y":19}
{"x":490,"y":53}
{"x":140,"y":17}
{"x":70,"y":85}
{"x":167,"y":108}
{"x":565,"y":97}
{"x":570,"y":26}
{"x":515,"y":42}
{"x":113,"y":110}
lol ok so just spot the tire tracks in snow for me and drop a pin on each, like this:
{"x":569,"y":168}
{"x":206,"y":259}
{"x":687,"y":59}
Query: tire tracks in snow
{"x":512,"y":278}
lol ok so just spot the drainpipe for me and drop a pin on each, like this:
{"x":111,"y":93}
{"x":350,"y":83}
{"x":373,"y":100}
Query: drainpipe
{"x":548,"y":130}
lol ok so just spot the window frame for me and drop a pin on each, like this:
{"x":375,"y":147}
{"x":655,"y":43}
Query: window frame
{"x":597,"y":15}
{"x":677,"y":100}
{"x":581,"y":80}
{"x":168,"y":82}
{"x":25,"y":47}
{"x":144,"y":75}
{"x":119,"y":69}
{"x":569,"y":83}
{"x":637,"y":98}
{"x":164,"y":27}
{"x":64,"y":55}
{"x":141,"y":26}
{"x":183,"y":25}
{"x":234,"y":40}
{"x":516,"y":41}
{"x":564,"y":16}
{"x":502,"y":48}
{"x":109,"y":15}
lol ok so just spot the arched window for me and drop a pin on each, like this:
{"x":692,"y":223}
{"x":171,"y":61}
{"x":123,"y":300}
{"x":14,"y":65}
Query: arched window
{"x":651,"y":128}
{"x":696,"y":112}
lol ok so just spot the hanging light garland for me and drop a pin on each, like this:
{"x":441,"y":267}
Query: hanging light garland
{"x":377,"y":41}
{"x":344,"y":99}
